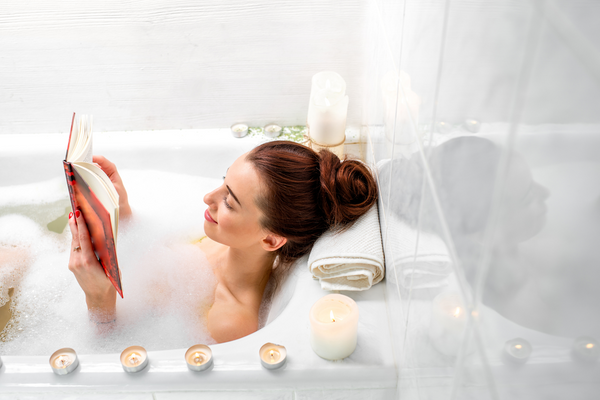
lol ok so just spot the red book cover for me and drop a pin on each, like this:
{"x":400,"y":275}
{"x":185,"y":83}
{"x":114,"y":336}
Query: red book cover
{"x":97,"y":220}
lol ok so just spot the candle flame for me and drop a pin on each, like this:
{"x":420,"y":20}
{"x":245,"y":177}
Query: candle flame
{"x":134,"y":358}
{"x":518,"y":346}
{"x":589,"y":345}
{"x":62,"y":362}
{"x":331,"y":316}
{"x":198,"y":358}
{"x":272,"y":355}
{"x":456,"y":312}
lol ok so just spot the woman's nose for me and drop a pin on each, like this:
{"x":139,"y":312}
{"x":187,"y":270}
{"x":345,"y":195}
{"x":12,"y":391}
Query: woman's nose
{"x":209,"y":198}
{"x":543,"y":191}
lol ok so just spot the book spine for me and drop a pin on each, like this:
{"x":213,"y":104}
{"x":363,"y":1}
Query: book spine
{"x":70,"y":183}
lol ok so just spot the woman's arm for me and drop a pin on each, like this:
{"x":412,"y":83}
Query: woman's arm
{"x":100,"y":295}
{"x":111,"y":170}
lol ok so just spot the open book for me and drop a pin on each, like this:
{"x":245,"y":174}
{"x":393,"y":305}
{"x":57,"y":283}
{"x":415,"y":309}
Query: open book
{"x":92,"y":192}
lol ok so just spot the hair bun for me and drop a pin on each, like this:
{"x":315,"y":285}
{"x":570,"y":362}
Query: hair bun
{"x":348,"y":188}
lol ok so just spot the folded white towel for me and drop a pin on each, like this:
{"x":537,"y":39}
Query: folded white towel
{"x":425,"y":265}
{"x":350,"y":260}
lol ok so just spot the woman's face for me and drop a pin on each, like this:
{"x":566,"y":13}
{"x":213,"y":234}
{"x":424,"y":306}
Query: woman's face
{"x":524,"y":206}
{"x":232,"y":217}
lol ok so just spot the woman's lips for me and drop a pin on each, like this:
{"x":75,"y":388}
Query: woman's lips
{"x":208,"y":217}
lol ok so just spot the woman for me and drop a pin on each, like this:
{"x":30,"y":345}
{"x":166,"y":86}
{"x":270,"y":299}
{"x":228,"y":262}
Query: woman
{"x":274,"y":203}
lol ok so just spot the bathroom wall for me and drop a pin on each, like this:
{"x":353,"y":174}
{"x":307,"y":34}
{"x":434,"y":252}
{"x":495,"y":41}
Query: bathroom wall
{"x":483,"y":120}
{"x":143,"y":65}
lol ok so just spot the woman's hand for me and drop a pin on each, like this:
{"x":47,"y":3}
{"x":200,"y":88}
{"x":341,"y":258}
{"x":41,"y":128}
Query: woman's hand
{"x":111,"y":170}
{"x":100,"y":295}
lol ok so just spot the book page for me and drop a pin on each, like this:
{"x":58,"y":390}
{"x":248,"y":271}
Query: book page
{"x":80,"y":147}
{"x":102,"y":187}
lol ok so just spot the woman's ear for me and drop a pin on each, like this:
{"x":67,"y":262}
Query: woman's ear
{"x":272,"y":242}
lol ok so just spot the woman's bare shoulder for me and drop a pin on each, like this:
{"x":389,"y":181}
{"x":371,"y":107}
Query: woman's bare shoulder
{"x":229,"y":319}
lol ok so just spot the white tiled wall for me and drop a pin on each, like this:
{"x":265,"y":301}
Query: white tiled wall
{"x":177,"y":64}
{"x":473,"y":211}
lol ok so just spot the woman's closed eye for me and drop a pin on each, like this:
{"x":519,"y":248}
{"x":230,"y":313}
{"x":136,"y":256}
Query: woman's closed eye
{"x":226,"y":203}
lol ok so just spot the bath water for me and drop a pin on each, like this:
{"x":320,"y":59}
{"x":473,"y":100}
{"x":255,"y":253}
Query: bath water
{"x":167,"y":283}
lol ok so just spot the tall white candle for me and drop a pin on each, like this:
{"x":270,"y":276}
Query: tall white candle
{"x":327,"y":108}
{"x":448,"y":323}
{"x":334,"y":326}
{"x":401,"y":108}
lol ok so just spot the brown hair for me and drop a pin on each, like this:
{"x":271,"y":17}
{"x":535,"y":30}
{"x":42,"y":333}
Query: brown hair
{"x":307,"y":192}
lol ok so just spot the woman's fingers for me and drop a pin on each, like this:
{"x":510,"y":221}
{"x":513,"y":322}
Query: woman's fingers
{"x":84,"y":235}
{"x":74,"y":230}
{"x":107,"y":166}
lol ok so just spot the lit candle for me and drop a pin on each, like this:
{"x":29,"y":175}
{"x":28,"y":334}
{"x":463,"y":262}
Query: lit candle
{"x":334,"y":326}
{"x":517,"y":351}
{"x":239,"y":130}
{"x":64,"y":361}
{"x":272,"y":130}
{"x":472,"y":125}
{"x":134,"y":359}
{"x":448,"y":323}
{"x":327,"y":109}
{"x":443,"y":127}
{"x":586,"y":349}
{"x":272,"y":356}
{"x":199,"y":357}
{"x":400,"y":108}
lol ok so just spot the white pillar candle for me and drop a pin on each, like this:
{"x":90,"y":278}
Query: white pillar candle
{"x":334,"y":326}
{"x":401,"y":108}
{"x":448,"y":323}
{"x":64,"y":361}
{"x":327,"y":109}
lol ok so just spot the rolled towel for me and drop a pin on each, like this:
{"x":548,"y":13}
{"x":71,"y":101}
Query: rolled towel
{"x":425,"y":266}
{"x":351,"y":259}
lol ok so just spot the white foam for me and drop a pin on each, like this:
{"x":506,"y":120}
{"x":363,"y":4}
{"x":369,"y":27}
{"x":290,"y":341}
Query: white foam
{"x":167,"y":282}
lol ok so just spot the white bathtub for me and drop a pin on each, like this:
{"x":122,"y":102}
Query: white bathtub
{"x":369,"y":372}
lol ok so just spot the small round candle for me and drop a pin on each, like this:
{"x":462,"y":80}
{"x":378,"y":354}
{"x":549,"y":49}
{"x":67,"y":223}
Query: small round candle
{"x":64,"y":361}
{"x":472,"y":125}
{"x":586,"y":349}
{"x":134,"y":359}
{"x":443,"y":127}
{"x":517,"y":351}
{"x":239,"y":130}
{"x":272,"y":356}
{"x":199,"y":357}
{"x":272,"y":130}
{"x":334,"y":326}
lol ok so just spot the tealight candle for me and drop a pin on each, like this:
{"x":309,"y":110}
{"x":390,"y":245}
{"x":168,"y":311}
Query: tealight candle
{"x":517,"y":351}
{"x":239,"y":130}
{"x":586,"y":349}
{"x":334,"y":326}
{"x":134,"y":359}
{"x":64,"y":361}
{"x":472,"y":125}
{"x":272,"y":130}
{"x":272,"y":356}
{"x":443,"y":127}
{"x":199,"y":357}
{"x":448,"y":323}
